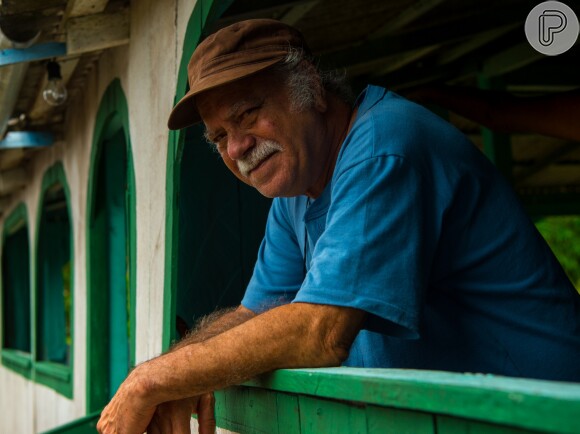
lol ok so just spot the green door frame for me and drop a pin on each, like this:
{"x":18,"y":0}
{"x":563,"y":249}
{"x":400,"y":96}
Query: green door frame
{"x":112,"y":117}
{"x":204,"y":12}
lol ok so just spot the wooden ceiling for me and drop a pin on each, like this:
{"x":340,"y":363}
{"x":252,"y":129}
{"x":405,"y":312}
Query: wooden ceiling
{"x":400,"y":44}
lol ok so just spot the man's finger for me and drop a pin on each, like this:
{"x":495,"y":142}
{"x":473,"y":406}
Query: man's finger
{"x":206,"y":414}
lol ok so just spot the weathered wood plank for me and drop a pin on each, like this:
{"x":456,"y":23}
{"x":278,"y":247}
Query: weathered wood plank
{"x":527,"y":404}
{"x":288,"y":413}
{"x":450,"y":425}
{"x":78,"y":8}
{"x":324,"y":416}
{"x":242,"y":409}
{"x":392,"y":421}
{"x":97,"y":32}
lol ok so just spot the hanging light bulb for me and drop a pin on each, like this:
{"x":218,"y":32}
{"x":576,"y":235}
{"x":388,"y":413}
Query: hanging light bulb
{"x":54,"y":92}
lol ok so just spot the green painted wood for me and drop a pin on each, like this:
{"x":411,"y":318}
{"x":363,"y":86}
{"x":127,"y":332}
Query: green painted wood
{"x":528,"y":404}
{"x":393,"y":421}
{"x":247,"y":410}
{"x":17,"y":361}
{"x":325,"y":416}
{"x":15,"y":284}
{"x":450,"y":425}
{"x":61,"y":378}
{"x":287,"y":413}
{"x":15,"y":219}
{"x":112,"y":124}
{"x":204,"y":13}
{"x":83,"y":425}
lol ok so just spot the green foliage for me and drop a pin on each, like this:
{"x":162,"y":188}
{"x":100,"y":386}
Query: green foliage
{"x":563,"y":237}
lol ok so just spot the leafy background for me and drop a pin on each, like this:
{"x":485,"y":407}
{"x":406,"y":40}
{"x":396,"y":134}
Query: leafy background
{"x":563,"y":236}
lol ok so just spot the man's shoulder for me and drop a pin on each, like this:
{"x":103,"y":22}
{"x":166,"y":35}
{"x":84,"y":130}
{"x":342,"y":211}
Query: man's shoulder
{"x":388,"y":124}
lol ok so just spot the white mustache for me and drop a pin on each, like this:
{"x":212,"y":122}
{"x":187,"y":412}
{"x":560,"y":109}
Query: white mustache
{"x":257,"y":154}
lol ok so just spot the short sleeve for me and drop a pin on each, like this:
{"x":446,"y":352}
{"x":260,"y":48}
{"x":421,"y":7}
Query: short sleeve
{"x":375,"y":252}
{"x":279,"y":269}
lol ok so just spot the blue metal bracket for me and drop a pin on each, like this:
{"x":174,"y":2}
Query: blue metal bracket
{"x":10,"y":56}
{"x":26,"y":139}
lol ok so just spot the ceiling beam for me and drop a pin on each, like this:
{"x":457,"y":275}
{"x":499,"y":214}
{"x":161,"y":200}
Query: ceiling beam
{"x":15,"y":7}
{"x":296,"y":12}
{"x":405,"y":17}
{"x":12,"y":180}
{"x":79,"y":8}
{"x":513,"y":58}
{"x":277,"y":11}
{"x":474,"y":43}
{"x":369,"y":50}
{"x":401,"y":60}
{"x":97,"y":32}
{"x":546,"y":161}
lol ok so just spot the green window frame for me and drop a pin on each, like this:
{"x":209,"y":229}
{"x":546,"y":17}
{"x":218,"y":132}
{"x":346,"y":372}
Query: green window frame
{"x":204,"y":13}
{"x":16,"y":293}
{"x":111,"y":125}
{"x":53,"y":340}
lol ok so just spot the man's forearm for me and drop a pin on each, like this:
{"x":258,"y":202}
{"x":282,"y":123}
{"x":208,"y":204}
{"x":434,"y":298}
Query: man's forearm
{"x":291,"y":336}
{"x":214,"y":324}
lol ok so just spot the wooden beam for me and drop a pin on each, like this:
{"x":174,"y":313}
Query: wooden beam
{"x":403,"y":59}
{"x":511,"y":59}
{"x":369,"y":50}
{"x":11,"y":158}
{"x":296,"y":13}
{"x":407,"y":16}
{"x":12,"y":180}
{"x":15,"y":7}
{"x":5,"y":201}
{"x":546,"y":161}
{"x":79,"y":8}
{"x":474,"y":43}
{"x":276,"y":11}
{"x":97,"y":32}
{"x":544,"y":204}
{"x":47,"y":50}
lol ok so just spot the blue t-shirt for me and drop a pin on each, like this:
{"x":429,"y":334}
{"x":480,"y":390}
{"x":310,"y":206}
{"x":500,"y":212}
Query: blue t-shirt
{"x":418,"y":229}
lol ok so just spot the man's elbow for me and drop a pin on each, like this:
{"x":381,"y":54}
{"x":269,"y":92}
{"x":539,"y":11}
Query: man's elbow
{"x":335,"y":334}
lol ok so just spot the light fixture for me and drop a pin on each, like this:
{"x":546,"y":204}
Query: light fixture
{"x":54,"y":92}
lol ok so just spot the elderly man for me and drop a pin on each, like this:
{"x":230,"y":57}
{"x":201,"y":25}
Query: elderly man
{"x":392,"y":242}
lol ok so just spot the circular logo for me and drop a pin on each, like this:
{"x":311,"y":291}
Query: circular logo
{"x":552,"y":28}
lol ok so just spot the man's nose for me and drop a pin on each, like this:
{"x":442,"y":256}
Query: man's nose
{"x":238,"y":144}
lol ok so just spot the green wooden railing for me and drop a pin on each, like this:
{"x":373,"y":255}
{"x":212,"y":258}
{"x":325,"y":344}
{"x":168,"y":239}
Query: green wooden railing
{"x":385,"y":401}
{"x":84,"y":425}
{"x":389,"y":401}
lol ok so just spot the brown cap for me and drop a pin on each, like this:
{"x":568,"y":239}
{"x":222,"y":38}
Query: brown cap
{"x":231,"y":53}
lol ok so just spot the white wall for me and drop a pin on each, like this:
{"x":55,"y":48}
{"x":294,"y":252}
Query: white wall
{"x":147,"y":68}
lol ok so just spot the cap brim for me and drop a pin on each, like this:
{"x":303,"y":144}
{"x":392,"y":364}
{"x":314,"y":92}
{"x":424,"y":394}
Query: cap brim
{"x":185,"y":113}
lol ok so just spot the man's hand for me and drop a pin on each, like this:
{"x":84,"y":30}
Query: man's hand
{"x":128,"y":413}
{"x":174,"y":417}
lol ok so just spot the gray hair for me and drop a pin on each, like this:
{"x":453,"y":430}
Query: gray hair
{"x":302,"y":75}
